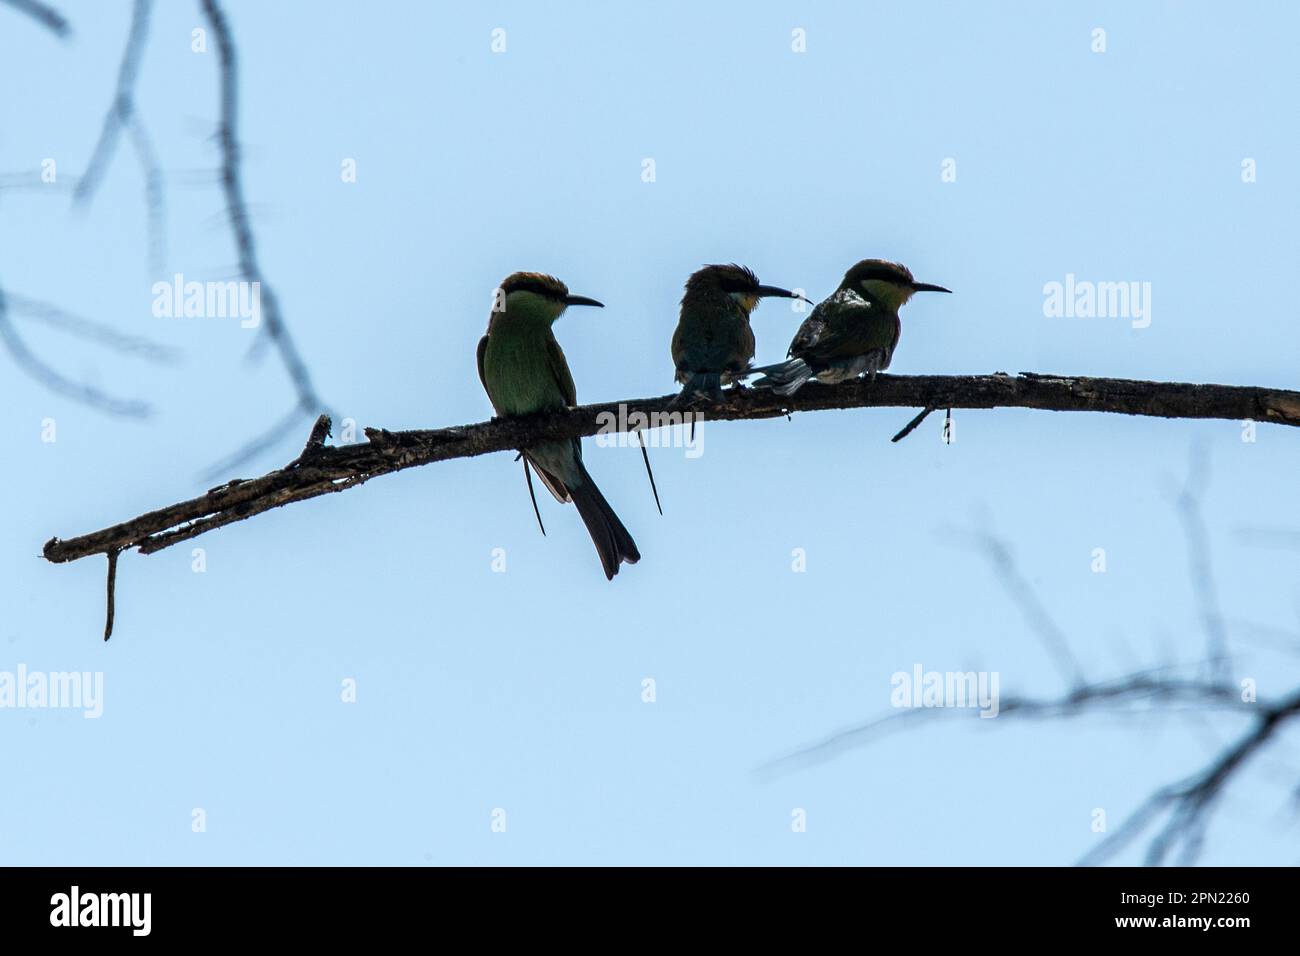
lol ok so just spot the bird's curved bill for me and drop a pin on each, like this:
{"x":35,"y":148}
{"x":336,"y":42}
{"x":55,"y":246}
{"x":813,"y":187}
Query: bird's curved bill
{"x":771,"y":290}
{"x":582,"y":300}
{"x":926,"y":287}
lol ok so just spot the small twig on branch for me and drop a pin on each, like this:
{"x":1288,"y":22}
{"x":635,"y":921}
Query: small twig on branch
{"x":316,"y":440}
{"x":45,"y":15}
{"x":911,"y":426}
{"x":112,"y":589}
{"x":333,"y":469}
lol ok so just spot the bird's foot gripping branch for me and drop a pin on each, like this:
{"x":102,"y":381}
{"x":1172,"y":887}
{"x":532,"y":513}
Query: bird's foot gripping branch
{"x":323,"y":469}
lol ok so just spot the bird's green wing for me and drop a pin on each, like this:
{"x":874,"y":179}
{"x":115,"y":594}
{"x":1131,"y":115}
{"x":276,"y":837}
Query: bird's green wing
{"x":845,"y":331}
{"x":482,"y":350}
{"x":809,"y":334}
{"x":560,"y":369}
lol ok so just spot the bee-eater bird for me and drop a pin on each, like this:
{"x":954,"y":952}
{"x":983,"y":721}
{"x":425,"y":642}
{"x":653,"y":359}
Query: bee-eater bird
{"x":854,"y":330}
{"x":524,"y":372}
{"x":714,"y":344}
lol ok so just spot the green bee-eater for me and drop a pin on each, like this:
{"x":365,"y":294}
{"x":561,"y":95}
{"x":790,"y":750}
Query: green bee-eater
{"x":852,"y":331}
{"x":524,"y":372}
{"x":714,"y":344}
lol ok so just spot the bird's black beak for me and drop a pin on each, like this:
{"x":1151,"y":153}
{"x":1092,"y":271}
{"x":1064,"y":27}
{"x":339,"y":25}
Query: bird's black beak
{"x":582,"y":300}
{"x":770,"y":290}
{"x":926,"y":287}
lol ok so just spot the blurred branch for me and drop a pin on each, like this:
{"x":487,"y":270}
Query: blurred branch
{"x":308,"y":401}
{"x":1185,"y":805}
{"x":1134,"y":693}
{"x":155,"y":195}
{"x":92,"y":331}
{"x":57,"y":382}
{"x":1204,"y":589}
{"x":1188,"y":802}
{"x":1036,"y":615}
{"x":122,"y":108}
{"x":43,"y":14}
{"x":120,"y":113}
{"x":331,"y":469}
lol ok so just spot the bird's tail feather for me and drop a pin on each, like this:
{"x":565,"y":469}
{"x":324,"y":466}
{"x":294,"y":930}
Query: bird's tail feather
{"x":706,"y":384}
{"x":784,"y":378}
{"x":613,"y":543}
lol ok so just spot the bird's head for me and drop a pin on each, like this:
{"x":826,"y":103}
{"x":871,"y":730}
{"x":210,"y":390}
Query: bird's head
{"x":535,"y":294}
{"x":737,"y":282}
{"x":887,"y":283}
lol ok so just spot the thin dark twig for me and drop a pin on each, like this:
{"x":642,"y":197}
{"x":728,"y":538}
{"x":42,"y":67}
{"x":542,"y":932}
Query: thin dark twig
{"x":122,"y":107}
{"x":112,"y":590}
{"x":912,"y":425}
{"x":45,"y":15}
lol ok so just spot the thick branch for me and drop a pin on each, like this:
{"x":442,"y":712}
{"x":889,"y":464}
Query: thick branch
{"x":324,"y":470}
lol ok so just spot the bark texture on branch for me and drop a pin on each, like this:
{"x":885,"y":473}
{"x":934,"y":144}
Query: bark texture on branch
{"x":323,"y":469}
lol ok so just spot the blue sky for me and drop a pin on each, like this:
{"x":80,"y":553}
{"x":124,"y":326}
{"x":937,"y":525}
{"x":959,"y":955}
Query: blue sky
{"x":522,"y":690}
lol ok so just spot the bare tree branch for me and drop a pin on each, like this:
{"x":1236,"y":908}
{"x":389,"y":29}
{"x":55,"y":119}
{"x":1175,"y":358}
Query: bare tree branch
{"x":92,"y":331}
{"x":122,"y":108}
{"x":43,"y":14}
{"x":1186,"y":805}
{"x":1135,"y":693}
{"x":331,"y":469}
{"x":155,"y":195}
{"x":237,"y":212}
{"x":1189,"y":801}
{"x":1036,"y":615}
{"x":56,"y":381}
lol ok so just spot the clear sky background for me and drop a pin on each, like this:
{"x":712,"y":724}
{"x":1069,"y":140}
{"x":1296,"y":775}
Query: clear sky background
{"x":522,"y":690}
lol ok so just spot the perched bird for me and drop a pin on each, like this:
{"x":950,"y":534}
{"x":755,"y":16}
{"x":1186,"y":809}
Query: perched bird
{"x":713,"y":344}
{"x":854,"y":330}
{"x":523,"y":372}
